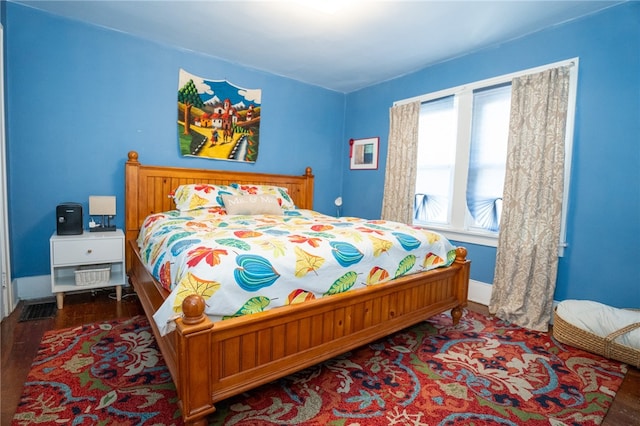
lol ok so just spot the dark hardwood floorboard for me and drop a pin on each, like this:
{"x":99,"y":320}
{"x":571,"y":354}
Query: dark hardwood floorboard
{"x":20,"y":342}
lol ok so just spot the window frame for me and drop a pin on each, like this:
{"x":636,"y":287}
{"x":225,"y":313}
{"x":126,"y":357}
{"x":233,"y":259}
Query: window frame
{"x":459,"y":230}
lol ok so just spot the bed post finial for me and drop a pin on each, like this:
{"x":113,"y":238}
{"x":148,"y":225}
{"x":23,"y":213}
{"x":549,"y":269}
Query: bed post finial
{"x":461,"y":254}
{"x":133,"y":156}
{"x":307,"y":172}
{"x":193,"y":309}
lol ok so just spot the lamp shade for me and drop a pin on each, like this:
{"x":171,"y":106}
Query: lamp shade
{"x":102,"y":205}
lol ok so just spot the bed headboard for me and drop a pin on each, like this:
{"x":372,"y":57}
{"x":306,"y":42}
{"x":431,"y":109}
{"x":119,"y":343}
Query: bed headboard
{"x":147,"y":188}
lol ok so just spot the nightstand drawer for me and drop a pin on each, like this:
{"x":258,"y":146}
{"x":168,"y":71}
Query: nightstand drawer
{"x":88,"y":251}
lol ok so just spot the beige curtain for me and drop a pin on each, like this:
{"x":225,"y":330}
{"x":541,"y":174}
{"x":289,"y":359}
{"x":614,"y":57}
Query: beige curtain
{"x":400,"y":172}
{"x":527,"y":254}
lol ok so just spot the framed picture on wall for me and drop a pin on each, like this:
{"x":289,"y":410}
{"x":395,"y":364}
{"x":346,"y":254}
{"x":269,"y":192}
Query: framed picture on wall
{"x":364,"y":153}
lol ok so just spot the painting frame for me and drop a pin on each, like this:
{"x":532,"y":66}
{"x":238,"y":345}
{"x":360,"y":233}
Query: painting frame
{"x":218,"y":119}
{"x":364,"y":153}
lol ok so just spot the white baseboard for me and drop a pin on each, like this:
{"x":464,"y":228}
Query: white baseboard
{"x":480,"y":292}
{"x":39,"y":287}
{"x":36,"y":287}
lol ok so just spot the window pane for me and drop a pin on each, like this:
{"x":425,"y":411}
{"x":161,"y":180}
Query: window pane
{"x":488,"y":155}
{"x":436,"y":160}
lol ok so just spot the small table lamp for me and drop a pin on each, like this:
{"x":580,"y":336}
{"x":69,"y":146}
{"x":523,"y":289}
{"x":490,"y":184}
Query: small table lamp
{"x":105,"y":206}
{"x":338,"y":203}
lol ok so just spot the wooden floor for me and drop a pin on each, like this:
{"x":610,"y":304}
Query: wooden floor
{"x":20,"y":341}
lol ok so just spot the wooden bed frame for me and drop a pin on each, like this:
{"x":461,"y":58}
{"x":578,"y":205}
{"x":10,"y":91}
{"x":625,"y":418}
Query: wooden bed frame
{"x":210,"y":362}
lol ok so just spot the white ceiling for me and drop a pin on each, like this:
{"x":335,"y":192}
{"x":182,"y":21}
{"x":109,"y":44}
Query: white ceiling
{"x":362,"y":43}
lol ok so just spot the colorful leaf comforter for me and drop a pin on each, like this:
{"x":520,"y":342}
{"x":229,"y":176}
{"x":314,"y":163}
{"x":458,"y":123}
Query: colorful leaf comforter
{"x":247,"y":264}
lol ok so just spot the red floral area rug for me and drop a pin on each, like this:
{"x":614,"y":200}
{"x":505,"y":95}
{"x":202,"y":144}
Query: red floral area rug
{"x":109,"y":373}
{"x":480,"y":372}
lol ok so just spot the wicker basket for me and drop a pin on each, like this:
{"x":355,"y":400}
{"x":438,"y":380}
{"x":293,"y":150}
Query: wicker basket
{"x":93,"y":274}
{"x":571,"y":335}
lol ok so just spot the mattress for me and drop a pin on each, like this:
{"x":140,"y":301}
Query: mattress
{"x":242,"y":264}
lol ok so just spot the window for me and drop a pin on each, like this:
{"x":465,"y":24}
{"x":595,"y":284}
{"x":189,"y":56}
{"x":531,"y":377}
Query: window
{"x":461,"y":159}
{"x":488,"y":156}
{"x":436,"y":161}
{"x":484,"y":150}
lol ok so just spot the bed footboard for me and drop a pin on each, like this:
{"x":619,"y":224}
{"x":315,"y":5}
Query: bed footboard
{"x":218,"y":360}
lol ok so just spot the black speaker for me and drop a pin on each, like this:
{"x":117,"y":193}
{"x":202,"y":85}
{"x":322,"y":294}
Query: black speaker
{"x":69,"y":219}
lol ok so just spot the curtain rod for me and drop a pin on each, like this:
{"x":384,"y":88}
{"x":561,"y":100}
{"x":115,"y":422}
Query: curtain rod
{"x":573,"y":62}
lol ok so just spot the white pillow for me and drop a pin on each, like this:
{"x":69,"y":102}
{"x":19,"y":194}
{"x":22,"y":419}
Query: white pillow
{"x":281,"y":193}
{"x":251,"y":204}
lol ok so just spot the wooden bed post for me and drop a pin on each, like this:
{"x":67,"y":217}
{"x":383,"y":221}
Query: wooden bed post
{"x":307,"y":197}
{"x":461,"y":285}
{"x":131,"y":222}
{"x":193,"y":347}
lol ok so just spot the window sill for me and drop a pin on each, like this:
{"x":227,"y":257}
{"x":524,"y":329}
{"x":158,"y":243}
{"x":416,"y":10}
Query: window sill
{"x":489,"y":240}
{"x":477,"y":238}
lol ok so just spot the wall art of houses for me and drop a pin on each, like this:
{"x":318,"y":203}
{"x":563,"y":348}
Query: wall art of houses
{"x":217,"y":119}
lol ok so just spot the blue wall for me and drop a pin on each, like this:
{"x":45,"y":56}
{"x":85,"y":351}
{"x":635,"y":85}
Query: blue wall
{"x":601,"y":261}
{"x":80,"y":97}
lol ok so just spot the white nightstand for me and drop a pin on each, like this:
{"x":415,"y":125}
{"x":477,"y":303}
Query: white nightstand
{"x":87,"y":261}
